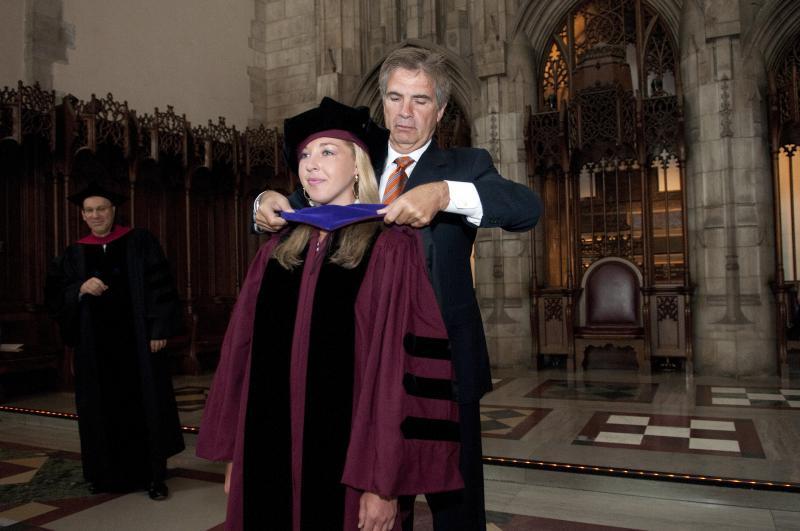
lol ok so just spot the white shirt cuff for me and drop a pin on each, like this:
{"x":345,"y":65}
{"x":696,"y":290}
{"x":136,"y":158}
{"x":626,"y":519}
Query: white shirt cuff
{"x":465,"y":201}
{"x":256,"y":204}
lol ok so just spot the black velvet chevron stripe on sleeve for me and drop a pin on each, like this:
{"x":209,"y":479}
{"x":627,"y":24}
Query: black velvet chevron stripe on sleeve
{"x":427,"y":347}
{"x":434,"y":388}
{"x":430,"y":429}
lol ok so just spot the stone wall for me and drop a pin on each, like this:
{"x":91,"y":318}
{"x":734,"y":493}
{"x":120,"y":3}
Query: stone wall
{"x":12,"y":42}
{"x":729,"y":193}
{"x":502,"y":264}
{"x":289,"y":66}
{"x":192,"y":55}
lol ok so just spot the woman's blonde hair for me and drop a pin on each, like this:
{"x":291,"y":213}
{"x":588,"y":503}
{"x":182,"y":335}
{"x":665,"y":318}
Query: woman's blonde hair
{"x":354,"y":239}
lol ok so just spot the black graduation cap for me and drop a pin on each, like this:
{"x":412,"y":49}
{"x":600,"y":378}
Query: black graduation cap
{"x":94,"y":189}
{"x":332,"y":115}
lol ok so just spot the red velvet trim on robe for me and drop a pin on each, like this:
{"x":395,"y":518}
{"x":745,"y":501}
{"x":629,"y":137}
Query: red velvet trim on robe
{"x":116,"y":233}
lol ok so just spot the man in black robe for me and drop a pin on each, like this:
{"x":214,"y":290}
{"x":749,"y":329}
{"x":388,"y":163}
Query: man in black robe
{"x":116,"y":303}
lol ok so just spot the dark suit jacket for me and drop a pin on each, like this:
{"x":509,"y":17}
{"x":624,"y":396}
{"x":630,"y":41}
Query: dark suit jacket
{"x":448,"y":246}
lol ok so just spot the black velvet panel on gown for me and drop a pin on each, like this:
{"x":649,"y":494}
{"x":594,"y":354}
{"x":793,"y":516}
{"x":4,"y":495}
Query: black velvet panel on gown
{"x":115,"y":449}
{"x":329,"y":397}
{"x":267,"y":475}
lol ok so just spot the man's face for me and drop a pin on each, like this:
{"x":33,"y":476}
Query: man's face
{"x":409,"y":109}
{"x":98,"y":213}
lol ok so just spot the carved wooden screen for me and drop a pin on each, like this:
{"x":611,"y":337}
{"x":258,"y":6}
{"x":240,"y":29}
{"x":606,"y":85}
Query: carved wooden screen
{"x":608,"y":153}
{"x":160,"y":187}
{"x":785,"y":129}
{"x":608,"y":186}
{"x":184,"y":184}
{"x":605,"y":149}
{"x":213,"y":239}
{"x":610,"y":211}
{"x":263,"y":156}
{"x":787,"y":117}
{"x":27,"y":234}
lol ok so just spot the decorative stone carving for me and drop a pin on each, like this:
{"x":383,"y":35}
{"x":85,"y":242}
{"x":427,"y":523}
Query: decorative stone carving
{"x":725,"y":109}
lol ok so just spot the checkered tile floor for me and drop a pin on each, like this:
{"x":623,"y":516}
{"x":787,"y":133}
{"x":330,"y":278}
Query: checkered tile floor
{"x":596,"y":390}
{"x":672,"y":433}
{"x":762,"y":397}
{"x":509,"y":422}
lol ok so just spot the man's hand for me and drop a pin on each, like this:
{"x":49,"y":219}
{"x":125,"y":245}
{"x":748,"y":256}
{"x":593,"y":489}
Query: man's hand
{"x":376,"y":513}
{"x":157,"y":344}
{"x":269,"y":205}
{"x":93,"y":286}
{"x":418,"y":206}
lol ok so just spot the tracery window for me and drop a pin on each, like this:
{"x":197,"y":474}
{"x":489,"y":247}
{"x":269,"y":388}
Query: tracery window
{"x":606,"y":137}
{"x":605,"y":150}
{"x":784,"y":78}
{"x":786,"y":125}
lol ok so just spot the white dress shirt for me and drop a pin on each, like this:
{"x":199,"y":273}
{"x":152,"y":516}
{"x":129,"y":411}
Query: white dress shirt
{"x":464,"y":198}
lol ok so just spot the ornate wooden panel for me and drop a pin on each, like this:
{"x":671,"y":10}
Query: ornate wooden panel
{"x":164,"y":134}
{"x":264,"y":168}
{"x":668,"y":328}
{"x":784,"y":78}
{"x":27,"y":111}
{"x":605,"y":147}
{"x":27,"y":235}
{"x":553,"y":323}
{"x":184,"y":184}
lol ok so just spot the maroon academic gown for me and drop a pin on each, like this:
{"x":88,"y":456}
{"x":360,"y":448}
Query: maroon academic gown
{"x":404,"y":432}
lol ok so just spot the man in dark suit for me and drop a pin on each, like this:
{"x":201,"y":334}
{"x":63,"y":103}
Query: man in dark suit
{"x":447,"y":193}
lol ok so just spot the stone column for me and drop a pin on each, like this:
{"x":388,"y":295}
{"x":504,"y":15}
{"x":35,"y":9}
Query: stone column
{"x":502,"y":259}
{"x":729,"y":194}
{"x":257,"y":69}
{"x":12,"y":42}
{"x":289,"y":48}
{"x":339,"y":67}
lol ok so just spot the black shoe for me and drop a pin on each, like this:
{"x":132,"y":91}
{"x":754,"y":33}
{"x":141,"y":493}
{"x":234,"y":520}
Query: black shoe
{"x":158,"y":490}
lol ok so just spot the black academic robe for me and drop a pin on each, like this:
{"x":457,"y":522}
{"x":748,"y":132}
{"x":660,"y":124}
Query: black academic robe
{"x":127,"y":414}
{"x":332,"y":382}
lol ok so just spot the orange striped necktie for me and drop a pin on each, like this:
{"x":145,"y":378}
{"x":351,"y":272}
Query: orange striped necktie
{"x":397,"y":180}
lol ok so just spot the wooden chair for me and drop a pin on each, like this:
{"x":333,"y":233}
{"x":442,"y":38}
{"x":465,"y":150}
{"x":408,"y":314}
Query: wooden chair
{"x":610,"y":311}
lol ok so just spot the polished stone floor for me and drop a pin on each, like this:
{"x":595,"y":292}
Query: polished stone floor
{"x":664,"y":422}
{"x":516,"y":499}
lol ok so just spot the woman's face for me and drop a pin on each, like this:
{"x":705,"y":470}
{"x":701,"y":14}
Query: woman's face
{"x":327,"y":167}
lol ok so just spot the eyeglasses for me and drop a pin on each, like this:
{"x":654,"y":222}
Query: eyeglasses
{"x":100,"y":210}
